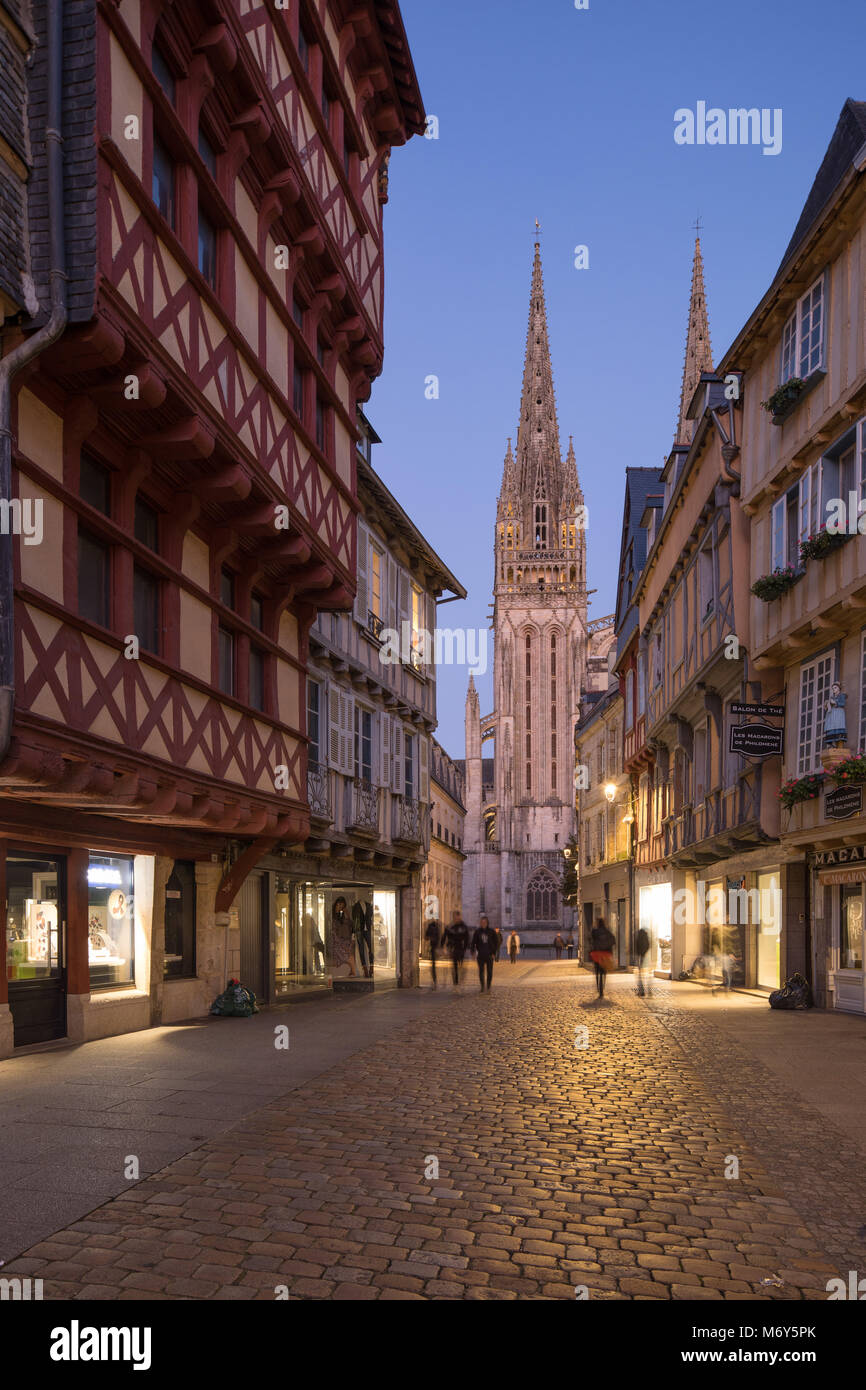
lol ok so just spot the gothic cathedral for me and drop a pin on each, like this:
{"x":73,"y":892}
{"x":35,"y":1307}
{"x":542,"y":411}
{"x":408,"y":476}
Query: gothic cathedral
{"x":520,"y":802}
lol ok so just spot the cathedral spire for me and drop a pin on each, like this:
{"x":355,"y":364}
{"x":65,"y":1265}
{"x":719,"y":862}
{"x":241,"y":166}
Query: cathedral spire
{"x":538,"y":455}
{"x":699,"y":354}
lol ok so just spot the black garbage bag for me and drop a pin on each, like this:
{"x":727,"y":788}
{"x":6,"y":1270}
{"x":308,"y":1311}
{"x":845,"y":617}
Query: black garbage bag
{"x":794,"y":994}
{"x":235,"y":1001}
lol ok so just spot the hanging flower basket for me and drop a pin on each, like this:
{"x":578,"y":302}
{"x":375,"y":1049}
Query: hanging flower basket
{"x":785,"y":397}
{"x":822,"y":543}
{"x":771,"y":586}
{"x":851,"y":771}
{"x":801,"y":789}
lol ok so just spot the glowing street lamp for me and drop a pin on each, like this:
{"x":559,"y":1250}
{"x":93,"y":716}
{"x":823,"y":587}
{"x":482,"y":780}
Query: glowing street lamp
{"x":610,"y":792}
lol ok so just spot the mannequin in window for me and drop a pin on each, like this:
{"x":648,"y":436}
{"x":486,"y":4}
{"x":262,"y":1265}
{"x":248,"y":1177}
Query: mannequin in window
{"x":362,"y":930}
{"x":342,"y":939}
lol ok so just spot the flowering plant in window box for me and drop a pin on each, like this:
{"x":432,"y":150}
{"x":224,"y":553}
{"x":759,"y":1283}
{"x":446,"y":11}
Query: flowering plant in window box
{"x":822,"y":543}
{"x":851,"y":771}
{"x":801,"y":789}
{"x":771,"y":586}
{"x":785,"y":397}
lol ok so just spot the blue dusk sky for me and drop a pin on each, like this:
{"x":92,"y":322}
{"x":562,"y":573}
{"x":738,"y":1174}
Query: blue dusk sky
{"x":568,"y":115}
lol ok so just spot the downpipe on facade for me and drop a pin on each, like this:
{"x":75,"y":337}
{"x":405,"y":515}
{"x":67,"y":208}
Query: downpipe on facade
{"x":25,"y":352}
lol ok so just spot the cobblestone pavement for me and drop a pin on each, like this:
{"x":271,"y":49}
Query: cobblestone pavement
{"x":558,"y":1166}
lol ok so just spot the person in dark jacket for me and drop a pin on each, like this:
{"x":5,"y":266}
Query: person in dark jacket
{"x":456,"y":942}
{"x":485,"y":944}
{"x":641,"y":950}
{"x":433,"y":937}
{"x":602,"y":944}
{"x":558,"y":944}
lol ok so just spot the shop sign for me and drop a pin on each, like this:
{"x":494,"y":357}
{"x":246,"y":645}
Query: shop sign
{"x":764,"y":711}
{"x":836,"y":876}
{"x":756,"y":740}
{"x":843,"y":802}
{"x":850,"y":854}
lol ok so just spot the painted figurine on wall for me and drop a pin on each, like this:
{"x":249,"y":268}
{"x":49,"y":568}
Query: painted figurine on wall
{"x":835,"y":726}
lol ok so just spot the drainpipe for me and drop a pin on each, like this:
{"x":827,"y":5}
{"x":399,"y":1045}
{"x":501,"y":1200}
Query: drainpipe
{"x":27,"y":350}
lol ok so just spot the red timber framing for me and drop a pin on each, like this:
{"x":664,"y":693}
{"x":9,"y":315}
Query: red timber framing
{"x":238,"y":325}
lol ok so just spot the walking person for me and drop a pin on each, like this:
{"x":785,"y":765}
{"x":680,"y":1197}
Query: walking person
{"x":601,"y":953}
{"x":641,"y":950}
{"x":558,"y":944}
{"x":433,"y":937}
{"x":485,"y":942}
{"x":513,"y":947}
{"x":456,"y":942}
{"x":569,"y":945}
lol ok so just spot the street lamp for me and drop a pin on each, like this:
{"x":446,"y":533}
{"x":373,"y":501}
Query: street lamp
{"x":610,"y":792}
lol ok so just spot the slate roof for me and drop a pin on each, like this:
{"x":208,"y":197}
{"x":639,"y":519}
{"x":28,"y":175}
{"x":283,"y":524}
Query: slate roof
{"x":847,"y":140}
{"x":640,"y":485}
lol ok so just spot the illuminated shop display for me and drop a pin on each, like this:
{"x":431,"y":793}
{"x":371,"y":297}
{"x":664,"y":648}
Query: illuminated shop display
{"x":110,"y":922}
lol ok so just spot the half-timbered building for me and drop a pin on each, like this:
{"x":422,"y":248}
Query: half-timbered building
{"x":213,"y":268}
{"x":803,"y":352}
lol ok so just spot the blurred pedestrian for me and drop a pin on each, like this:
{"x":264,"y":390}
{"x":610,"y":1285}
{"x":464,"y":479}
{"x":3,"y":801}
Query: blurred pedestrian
{"x":601,"y":953}
{"x":558,"y":945}
{"x":456,"y":942}
{"x":433,"y":937}
{"x":641,"y":950}
{"x":569,"y":945}
{"x":513,"y":947}
{"x":484,"y":944}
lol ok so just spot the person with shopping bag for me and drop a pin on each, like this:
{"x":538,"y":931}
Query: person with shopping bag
{"x":602,"y":944}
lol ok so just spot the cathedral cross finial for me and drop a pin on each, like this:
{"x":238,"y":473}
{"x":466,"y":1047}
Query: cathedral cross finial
{"x":698,"y":225}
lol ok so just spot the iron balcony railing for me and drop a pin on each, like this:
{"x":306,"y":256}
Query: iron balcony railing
{"x":406,"y":824}
{"x":319,"y":790}
{"x":362,"y":812}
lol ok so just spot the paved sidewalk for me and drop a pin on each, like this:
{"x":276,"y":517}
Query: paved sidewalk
{"x":602,"y":1166}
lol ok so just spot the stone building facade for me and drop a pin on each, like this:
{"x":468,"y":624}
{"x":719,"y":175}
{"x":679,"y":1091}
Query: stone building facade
{"x":442,"y":877}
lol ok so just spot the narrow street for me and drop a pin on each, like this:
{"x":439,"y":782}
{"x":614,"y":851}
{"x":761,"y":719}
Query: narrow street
{"x":559,"y":1166}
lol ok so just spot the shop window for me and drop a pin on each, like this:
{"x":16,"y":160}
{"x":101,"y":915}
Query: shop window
{"x":33,"y":895}
{"x":145,"y":603}
{"x":851,"y":926}
{"x":94,"y":589}
{"x":146,"y":526}
{"x":110,"y":922}
{"x":94,"y":485}
{"x":257,"y":678}
{"x":769,"y":931}
{"x":301,"y":930}
{"x":162,"y":188}
{"x":179,"y":960}
{"x":803,"y":335}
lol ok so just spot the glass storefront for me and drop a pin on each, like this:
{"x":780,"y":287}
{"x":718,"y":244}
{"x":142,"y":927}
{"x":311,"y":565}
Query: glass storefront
{"x":851,"y":926}
{"x":655,"y":906}
{"x":769,"y":931}
{"x":110,"y":921}
{"x":32,"y":920}
{"x":385,"y":932}
{"x":327,"y":931}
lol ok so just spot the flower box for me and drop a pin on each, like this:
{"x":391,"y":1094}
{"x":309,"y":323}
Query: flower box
{"x":782,"y":401}
{"x":851,"y":771}
{"x":772,"y":586}
{"x":801,"y":789}
{"x":822,"y":543}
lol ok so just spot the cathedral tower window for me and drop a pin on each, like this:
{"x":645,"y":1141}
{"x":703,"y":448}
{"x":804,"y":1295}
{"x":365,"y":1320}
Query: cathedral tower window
{"x":553,"y":713}
{"x":540,"y":526}
{"x":528,"y":712}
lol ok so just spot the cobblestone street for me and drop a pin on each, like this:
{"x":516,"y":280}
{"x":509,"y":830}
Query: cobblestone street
{"x":558,"y":1166}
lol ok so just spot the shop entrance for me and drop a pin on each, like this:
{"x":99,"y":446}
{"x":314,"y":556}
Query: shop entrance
{"x":35,"y":946}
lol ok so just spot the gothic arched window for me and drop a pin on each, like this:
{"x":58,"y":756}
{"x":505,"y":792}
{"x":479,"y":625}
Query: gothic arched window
{"x":540,"y":526}
{"x":542,"y":897}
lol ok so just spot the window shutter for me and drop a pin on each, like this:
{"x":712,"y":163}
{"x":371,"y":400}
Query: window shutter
{"x":862,"y":743}
{"x":391,"y":593}
{"x":384,"y":778}
{"x":396,"y":757}
{"x":423,"y":768}
{"x":404,"y":610}
{"x":777,"y":546}
{"x":362,"y":596}
{"x":860,"y":460}
{"x":347,"y":732}
{"x":334,"y":743}
{"x":804,"y":503}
